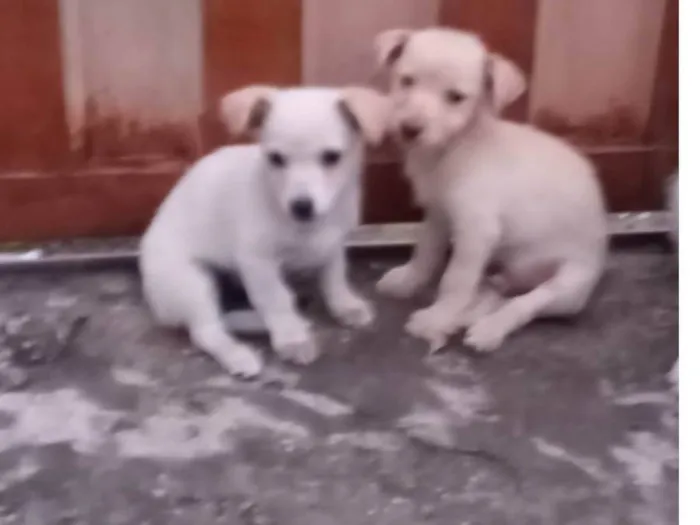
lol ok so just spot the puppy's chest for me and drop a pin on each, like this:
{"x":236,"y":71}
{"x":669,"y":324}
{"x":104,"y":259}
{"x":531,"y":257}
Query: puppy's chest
{"x":304,"y":250}
{"x":425,"y":179}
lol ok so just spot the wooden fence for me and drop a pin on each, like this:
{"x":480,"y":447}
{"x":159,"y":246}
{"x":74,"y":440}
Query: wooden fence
{"x":103,"y":102}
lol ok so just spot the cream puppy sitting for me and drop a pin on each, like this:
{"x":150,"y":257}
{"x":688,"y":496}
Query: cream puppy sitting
{"x":258,"y":211}
{"x":522,"y":208}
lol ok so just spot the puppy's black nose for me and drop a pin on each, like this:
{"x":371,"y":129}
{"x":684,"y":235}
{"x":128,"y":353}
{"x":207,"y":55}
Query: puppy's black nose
{"x":410,"y":131}
{"x":302,"y":209}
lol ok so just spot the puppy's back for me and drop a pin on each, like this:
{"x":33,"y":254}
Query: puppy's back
{"x":210,"y":187}
{"x":543,"y":189}
{"x":547,"y":168}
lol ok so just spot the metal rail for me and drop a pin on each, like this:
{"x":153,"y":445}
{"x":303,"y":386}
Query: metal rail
{"x":369,"y":236}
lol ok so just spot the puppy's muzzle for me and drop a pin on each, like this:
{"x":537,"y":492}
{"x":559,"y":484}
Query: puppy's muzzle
{"x":302,"y":209}
{"x":410,"y":131}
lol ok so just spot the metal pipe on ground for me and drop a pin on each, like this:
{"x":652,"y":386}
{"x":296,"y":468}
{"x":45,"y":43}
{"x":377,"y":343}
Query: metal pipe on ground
{"x":369,"y":236}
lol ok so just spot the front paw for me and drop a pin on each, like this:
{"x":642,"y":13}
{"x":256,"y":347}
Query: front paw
{"x":242,"y":361}
{"x":400,"y":282}
{"x":485,"y":335}
{"x":353,"y":311}
{"x":293,"y":341}
{"x":432,"y":324}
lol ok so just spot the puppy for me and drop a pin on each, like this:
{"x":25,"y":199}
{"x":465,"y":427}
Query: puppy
{"x":523,"y":209}
{"x":258,"y":211}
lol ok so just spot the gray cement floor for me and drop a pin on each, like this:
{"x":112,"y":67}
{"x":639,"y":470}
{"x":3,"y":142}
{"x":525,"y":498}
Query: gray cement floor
{"x":106,"y":419}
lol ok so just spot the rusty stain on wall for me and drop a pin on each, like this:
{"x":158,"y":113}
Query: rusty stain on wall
{"x":595,"y":63}
{"x":618,"y":126}
{"x":108,"y":138}
{"x":132,"y":76}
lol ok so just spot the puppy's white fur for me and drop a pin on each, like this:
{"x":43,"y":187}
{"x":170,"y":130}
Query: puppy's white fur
{"x":506,"y":195}
{"x":672,"y":206}
{"x":233,"y":210}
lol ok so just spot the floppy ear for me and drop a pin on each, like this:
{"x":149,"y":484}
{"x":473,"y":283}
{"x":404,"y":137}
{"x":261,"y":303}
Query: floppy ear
{"x":389,"y":45}
{"x":245,"y":110}
{"x":366,"y":111}
{"x":505,"y":81}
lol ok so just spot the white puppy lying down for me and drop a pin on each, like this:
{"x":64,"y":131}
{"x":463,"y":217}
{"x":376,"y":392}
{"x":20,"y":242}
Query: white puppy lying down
{"x":286,"y":203}
{"x":511,"y":198}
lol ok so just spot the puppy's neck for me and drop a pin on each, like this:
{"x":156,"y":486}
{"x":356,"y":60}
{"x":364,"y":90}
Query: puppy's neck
{"x":471,"y":135}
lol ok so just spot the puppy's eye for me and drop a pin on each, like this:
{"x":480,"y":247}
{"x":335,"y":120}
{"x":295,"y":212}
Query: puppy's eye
{"x":330,"y":158}
{"x":454,"y":97}
{"x":407,"y":81}
{"x":276,"y":159}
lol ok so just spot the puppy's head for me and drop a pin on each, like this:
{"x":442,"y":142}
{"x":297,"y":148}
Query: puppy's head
{"x":442,"y":82}
{"x":311,"y":139}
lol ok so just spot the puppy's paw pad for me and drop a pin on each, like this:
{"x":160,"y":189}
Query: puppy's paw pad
{"x":293,"y":341}
{"x":398,"y":282}
{"x":484,"y":336}
{"x":355,"y":312}
{"x":244,"y":362}
{"x":430,"y":325}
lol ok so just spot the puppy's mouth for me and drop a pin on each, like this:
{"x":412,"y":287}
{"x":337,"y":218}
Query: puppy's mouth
{"x":410,"y":132}
{"x":415,"y":136}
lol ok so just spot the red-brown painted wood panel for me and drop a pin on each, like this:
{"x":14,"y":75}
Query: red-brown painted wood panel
{"x":33,"y":131}
{"x":93,"y":202}
{"x":596,"y":90}
{"x":245,"y":43}
{"x":663,"y":120}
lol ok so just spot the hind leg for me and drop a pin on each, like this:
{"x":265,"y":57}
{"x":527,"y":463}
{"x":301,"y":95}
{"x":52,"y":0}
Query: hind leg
{"x":487,"y":300}
{"x":565,"y":294}
{"x":182,"y":293}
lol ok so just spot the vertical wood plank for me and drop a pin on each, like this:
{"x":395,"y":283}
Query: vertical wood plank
{"x":251,"y":42}
{"x":662,"y":129}
{"x":75,"y":88}
{"x":33,"y":133}
{"x":594,"y":73}
{"x":133,"y":76}
{"x":246,"y":43}
{"x":338,"y":35}
{"x":507,"y":26}
{"x":663,"y":121}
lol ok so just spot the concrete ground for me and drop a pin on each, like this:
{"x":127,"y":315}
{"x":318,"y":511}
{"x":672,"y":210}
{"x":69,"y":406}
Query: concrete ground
{"x":106,"y":419}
